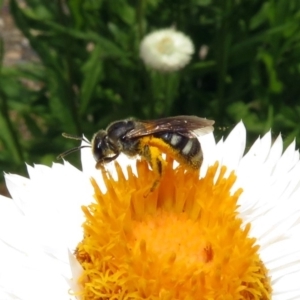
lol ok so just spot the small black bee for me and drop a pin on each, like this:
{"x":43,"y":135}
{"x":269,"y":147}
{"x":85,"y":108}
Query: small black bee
{"x":175,"y":136}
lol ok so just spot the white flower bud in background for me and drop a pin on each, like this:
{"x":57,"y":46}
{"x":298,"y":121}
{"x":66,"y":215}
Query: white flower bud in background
{"x":166,"y":50}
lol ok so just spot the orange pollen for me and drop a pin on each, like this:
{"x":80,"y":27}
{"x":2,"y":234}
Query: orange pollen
{"x":172,"y":233}
{"x":184,"y":240}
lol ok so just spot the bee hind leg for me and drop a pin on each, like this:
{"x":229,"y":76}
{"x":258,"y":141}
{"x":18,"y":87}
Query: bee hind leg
{"x":154,"y":158}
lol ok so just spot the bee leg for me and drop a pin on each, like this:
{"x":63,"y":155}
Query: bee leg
{"x":101,"y":167}
{"x":101,"y":163}
{"x":153,"y":156}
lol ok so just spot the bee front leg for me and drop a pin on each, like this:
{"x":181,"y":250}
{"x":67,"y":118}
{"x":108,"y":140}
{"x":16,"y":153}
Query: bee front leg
{"x":101,"y":163}
{"x":153,"y":156}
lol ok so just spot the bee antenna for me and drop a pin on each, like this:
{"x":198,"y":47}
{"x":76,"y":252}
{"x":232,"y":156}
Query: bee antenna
{"x":62,"y":155}
{"x":74,"y":137}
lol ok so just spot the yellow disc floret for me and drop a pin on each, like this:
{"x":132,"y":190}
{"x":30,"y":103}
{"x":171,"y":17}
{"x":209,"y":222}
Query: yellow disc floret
{"x":184,"y":240}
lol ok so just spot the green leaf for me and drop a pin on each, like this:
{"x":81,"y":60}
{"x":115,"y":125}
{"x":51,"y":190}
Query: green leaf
{"x":275,"y":85}
{"x":92,"y":75}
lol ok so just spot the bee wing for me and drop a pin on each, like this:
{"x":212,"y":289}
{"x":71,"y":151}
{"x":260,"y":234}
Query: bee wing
{"x":203,"y":131}
{"x":188,"y":126}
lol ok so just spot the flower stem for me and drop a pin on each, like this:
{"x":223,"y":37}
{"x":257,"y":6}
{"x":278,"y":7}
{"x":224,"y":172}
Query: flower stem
{"x":139,"y":16}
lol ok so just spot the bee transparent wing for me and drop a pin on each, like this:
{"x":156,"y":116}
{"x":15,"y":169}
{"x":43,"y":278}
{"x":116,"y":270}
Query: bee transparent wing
{"x":188,"y":126}
{"x":203,"y":131}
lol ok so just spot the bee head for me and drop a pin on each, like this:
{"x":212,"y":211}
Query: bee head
{"x":102,"y":147}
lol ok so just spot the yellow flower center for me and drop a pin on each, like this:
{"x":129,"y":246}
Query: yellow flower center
{"x":165,"y":46}
{"x":182,"y":241}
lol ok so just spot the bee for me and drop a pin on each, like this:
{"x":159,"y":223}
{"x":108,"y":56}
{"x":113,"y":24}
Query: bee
{"x":175,"y":136}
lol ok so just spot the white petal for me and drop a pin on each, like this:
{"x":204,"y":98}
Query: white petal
{"x":287,"y":160}
{"x":270,"y":202}
{"x":26,"y":271}
{"x":77,"y":270}
{"x":208,"y":146}
{"x":234,"y":147}
{"x":38,"y":228}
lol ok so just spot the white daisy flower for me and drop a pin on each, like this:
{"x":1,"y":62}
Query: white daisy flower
{"x":166,"y":50}
{"x":232,"y":233}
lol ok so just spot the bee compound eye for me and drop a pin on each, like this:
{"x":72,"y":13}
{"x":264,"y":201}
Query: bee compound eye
{"x":99,"y":145}
{"x":97,"y":153}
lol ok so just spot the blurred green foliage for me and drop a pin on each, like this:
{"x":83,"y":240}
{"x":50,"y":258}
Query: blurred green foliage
{"x":90,"y":72}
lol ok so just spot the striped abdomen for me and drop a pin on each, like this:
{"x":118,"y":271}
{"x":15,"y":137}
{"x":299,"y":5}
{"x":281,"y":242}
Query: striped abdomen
{"x":187,"y":149}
